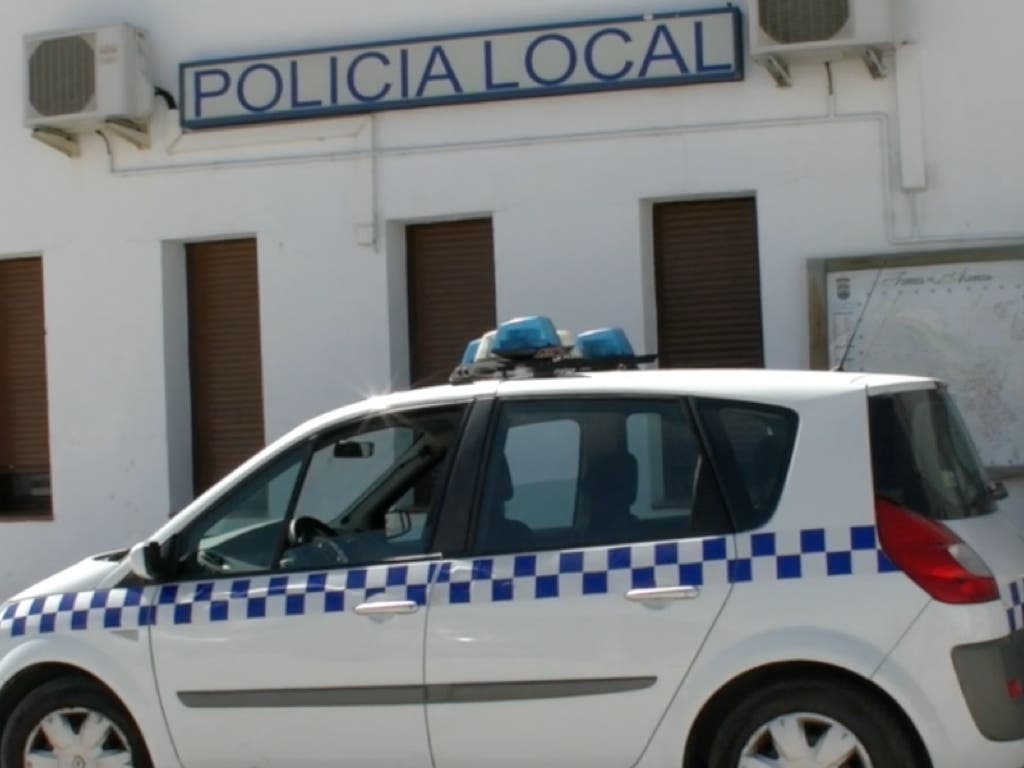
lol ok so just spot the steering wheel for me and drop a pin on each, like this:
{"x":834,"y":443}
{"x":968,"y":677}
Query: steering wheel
{"x":310,"y":530}
{"x":303,"y":530}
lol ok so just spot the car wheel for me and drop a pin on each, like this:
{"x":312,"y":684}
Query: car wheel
{"x":71,"y":723}
{"x":807,"y":724}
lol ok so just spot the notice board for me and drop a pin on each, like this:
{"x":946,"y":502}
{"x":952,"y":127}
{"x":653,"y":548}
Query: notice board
{"x":957,"y":316}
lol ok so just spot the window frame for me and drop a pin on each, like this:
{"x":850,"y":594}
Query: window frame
{"x":17,"y":511}
{"x":307,"y":446}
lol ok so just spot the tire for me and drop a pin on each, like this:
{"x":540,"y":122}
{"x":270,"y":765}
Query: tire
{"x":79,"y":713}
{"x":788,"y":720}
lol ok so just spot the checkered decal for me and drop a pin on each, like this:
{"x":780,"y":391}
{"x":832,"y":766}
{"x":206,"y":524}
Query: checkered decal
{"x":107,"y":608}
{"x":808,"y":554}
{"x":1014,"y":598}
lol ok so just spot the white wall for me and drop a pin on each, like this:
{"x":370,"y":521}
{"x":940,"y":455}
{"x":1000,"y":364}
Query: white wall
{"x":567,"y":180}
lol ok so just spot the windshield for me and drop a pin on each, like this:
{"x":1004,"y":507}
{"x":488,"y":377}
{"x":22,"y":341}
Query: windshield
{"x":924,"y":459}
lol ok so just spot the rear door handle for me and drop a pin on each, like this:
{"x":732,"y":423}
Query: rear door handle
{"x":383,"y":607}
{"x":662,"y":593}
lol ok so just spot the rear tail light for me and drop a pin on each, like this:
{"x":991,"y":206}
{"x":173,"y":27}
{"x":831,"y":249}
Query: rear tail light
{"x":933,"y":556}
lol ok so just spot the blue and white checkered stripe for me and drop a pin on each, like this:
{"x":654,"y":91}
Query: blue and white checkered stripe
{"x":1014,"y":599}
{"x":759,"y":557}
{"x":262,"y":597}
{"x":107,"y":609}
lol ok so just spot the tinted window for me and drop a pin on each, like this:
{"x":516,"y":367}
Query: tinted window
{"x":573,"y":473}
{"x":753,"y":444}
{"x":922,"y":456}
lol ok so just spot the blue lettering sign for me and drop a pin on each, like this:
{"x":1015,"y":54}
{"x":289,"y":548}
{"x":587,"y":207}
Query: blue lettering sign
{"x":570,"y":56}
{"x":403,"y":62}
{"x":674,"y":48}
{"x":437,"y":54}
{"x":661,"y":33}
{"x":489,"y":83}
{"x":588,"y":55}
{"x":333,"y":67}
{"x":698,"y":34}
{"x":201,"y":93}
{"x":244,"y":78}
{"x":296,"y":102}
{"x":367,"y":97}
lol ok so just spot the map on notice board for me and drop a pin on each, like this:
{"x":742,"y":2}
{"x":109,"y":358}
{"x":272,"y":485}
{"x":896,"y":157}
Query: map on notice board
{"x":960,"y":322}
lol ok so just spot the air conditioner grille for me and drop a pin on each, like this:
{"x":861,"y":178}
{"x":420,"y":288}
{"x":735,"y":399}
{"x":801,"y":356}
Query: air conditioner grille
{"x":802,"y":21}
{"x":62,"y":75}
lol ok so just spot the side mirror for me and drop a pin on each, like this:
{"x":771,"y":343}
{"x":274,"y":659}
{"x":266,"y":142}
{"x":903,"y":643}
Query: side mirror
{"x":147,"y":561}
{"x":397,"y":522}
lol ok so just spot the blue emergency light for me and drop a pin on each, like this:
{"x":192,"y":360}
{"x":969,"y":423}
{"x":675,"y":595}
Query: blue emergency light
{"x":470,"y":354}
{"x":604,"y":342}
{"x":525,"y":337}
{"x":532,"y":346}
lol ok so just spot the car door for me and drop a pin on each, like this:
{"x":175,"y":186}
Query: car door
{"x":294,"y":632}
{"x":599,"y":563}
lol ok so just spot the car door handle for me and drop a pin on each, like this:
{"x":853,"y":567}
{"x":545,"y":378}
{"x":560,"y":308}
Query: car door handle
{"x":386,"y":607}
{"x":663,"y":593}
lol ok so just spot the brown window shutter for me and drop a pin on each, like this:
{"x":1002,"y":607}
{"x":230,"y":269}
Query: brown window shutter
{"x":450,"y":273}
{"x":24,"y":430}
{"x":226,"y":362}
{"x":708,"y":284}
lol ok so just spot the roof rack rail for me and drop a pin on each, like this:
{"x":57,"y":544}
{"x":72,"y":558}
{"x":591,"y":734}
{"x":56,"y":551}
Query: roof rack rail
{"x":541,"y":367}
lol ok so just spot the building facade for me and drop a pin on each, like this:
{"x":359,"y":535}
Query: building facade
{"x":316,"y":215}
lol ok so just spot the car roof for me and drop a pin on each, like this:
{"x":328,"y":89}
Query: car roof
{"x":748,"y":384}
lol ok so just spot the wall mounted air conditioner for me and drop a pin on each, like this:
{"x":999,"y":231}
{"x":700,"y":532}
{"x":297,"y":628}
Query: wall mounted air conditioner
{"x":85,"y":79}
{"x":783,"y":31}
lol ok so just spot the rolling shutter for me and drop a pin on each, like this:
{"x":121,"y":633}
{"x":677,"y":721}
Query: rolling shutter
{"x":450,"y":275}
{"x":708,"y":284}
{"x":226,"y":364}
{"x":24,"y":429}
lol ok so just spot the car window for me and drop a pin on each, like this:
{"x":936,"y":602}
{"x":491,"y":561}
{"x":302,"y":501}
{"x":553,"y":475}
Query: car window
{"x":753,"y":444}
{"x":543,"y":460}
{"x":923,"y":457}
{"x":363,"y":494}
{"x":589,"y":472}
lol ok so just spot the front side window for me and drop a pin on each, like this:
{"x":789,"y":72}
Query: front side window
{"x":591,"y":472}
{"x":364,"y":494}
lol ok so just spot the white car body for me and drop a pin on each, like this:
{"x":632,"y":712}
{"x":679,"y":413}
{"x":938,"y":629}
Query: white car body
{"x":493,"y":670}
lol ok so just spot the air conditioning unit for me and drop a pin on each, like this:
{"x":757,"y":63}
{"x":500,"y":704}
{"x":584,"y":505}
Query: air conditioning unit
{"x":80,"y":80}
{"x":783,"y":31}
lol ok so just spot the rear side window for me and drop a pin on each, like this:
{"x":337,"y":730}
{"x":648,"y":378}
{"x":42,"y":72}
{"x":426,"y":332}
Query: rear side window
{"x":753,"y":444}
{"x":923,"y":458}
{"x":585,"y":472}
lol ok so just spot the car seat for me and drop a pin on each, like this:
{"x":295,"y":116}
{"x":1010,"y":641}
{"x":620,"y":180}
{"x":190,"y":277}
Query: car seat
{"x":497,"y":532}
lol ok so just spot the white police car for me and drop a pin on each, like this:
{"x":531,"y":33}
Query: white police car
{"x":733,"y":569}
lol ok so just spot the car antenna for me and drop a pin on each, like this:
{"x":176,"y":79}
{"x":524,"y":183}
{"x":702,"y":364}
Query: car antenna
{"x":856,"y":326}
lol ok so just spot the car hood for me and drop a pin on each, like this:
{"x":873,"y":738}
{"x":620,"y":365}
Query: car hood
{"x":91,"y":573}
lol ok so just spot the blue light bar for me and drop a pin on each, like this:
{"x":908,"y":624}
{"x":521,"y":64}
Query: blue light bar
{"x":524,"y":337}
{"x":470,"y":354}
{"x":604,"y":342}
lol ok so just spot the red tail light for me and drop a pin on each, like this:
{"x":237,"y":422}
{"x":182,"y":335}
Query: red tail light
{"x":933,"y":556}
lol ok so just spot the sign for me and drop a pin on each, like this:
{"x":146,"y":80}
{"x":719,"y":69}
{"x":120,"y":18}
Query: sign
{"x":638,"y":52}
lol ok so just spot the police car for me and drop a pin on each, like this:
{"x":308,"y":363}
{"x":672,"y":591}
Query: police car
{"x":554,"y":562}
